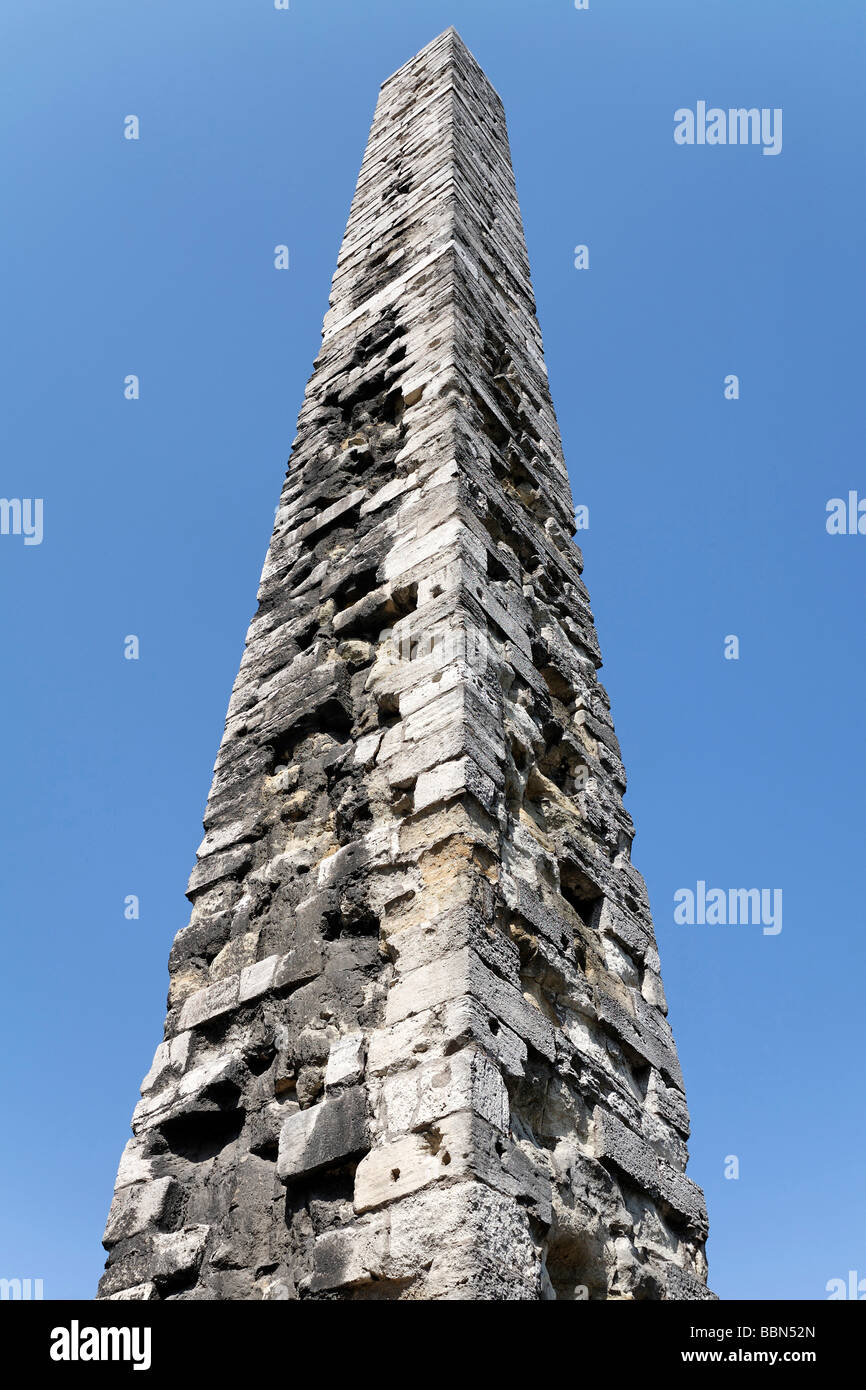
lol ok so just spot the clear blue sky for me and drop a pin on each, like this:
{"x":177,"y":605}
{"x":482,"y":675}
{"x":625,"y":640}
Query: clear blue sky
{"x":707,"y":518}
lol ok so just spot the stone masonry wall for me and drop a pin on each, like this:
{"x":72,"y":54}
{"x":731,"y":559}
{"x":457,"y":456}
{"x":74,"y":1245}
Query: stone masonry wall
{"x":416,"y":1043}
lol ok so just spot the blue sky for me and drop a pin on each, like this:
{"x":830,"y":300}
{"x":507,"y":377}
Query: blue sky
{"x":707,"y":518}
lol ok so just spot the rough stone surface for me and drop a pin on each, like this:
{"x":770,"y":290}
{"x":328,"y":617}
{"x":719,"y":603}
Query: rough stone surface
{"x":416,"y":1044}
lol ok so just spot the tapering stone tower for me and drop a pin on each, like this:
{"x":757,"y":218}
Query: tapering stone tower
{"x":416,"y":1044}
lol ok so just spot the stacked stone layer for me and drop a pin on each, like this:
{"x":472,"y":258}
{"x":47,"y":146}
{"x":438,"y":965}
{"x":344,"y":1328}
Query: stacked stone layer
{"x":416,"y":1044}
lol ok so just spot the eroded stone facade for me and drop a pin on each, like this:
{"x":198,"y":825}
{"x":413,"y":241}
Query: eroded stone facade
{"x":416,"y":1045}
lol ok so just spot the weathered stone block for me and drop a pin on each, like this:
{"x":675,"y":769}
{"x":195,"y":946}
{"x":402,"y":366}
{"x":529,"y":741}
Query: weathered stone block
{"x":464,"y":973}
{"x":210,"y":1003}
{"x":142,"y":1205}
{"x":326,"y":1134}
{"x":454,"y":1148}
{"x":444,"y":1029}
{"x":468,"y":1080}
{"x":345,"y":1062}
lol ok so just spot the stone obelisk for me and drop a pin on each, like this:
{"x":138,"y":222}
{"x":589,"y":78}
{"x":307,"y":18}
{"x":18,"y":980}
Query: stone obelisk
{"x":416,"y":1043}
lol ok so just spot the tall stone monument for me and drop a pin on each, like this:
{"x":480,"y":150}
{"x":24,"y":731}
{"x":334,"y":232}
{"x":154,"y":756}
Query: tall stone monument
{"x":416,"y":1044}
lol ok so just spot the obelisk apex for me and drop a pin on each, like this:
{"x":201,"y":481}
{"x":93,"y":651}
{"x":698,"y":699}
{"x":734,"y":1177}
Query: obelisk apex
{"x":416,"y":1043}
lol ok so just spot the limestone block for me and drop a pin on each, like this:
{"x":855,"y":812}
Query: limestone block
{"x":179,"y":1252}
{"x":324,"y":1135}
{"x":172,"y":1054}
{"x":474,"y":1242}
{"x":185,"y":1095}
{"x":138,"y":1206}
{"x":463,"y":972}
{"x":681,"y":1284}
{"x":216,"y":866}
{"x":618,"y":1144}
{"x":636,"y":1034}
{"x":257,"y":979}
{"x":366,"y":749}
{"x":297,"y":966}
{"x":442,"y":1030}
{"x":449,"y":931}
{"x":456,"y":1147}
{"x":468,"y":1080}
{"x":668,"y":1102}
{"x":452,"y":779}
{"x":134,"y":1166}
{"x":345,"y":1258}
{"x":209,"y":1003}
{"x":345,"y":1062}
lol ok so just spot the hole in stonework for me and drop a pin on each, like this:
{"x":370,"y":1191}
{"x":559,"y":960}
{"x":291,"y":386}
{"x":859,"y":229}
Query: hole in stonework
{"x":500,"y":1148}
{"x":202,"y":1135}
{"x":351,"y":921}
{"x":403,"y":803}
{"x":577,"y":1267}
{"x":259,"y":1059}
{"x":493,"y":1025}
{"x":641,"y":1074}
{"x":388,"y":711}
{"x":446,"y":1158}
{"x":366,"y":390}
{"x":559,"y":686}
{"x":392,"y":407}
{"x":395,"y":1173}
{"x":495,"y":570}
{"x":433,"y":1139}
{"x":345,"y":521}
{"x":491,"y":425}
{"x":355,"y":587}
{"x":314,"y":1198}
{"x":331,"y":718}
{"x":305,"y":639}
{"x":169,"y":1285}
{"x":381,"y":338}
{"x":581,"y":894}
{"x":328,"y":497}
{"x":404,"y":600}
